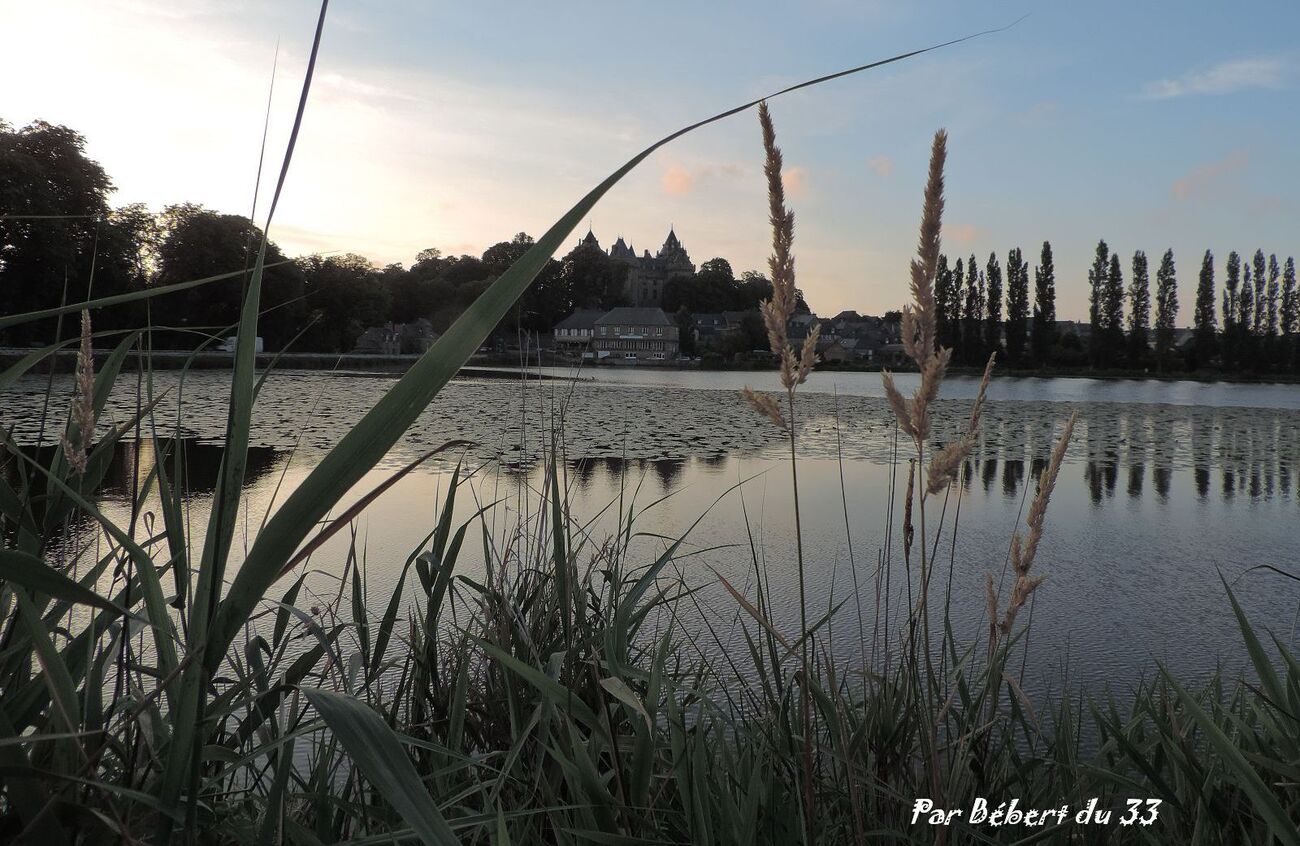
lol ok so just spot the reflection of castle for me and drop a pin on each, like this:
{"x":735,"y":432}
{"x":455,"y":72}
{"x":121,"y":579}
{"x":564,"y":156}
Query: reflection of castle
{"x":647,"y":274}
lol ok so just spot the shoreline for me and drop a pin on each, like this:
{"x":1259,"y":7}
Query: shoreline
{"x":502,"y":366}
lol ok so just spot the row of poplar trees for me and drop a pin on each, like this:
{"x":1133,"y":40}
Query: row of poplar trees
{"x":1254,"y":326}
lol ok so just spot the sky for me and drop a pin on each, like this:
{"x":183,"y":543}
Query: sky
{"x":1153,"y":125}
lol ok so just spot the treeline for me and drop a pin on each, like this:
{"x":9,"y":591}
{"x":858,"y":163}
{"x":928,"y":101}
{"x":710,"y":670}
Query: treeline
{"x":1127,"y":329}
{"x":60,"y":241}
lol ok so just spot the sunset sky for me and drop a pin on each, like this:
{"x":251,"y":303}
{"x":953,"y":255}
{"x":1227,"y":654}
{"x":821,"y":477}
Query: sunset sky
{"x":1153,"y":125}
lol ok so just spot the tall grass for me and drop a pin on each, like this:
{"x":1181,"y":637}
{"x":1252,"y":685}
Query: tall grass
{"x":156,"y":688}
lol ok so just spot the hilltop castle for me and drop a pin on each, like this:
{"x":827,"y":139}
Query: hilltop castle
{"x":647,"y":274}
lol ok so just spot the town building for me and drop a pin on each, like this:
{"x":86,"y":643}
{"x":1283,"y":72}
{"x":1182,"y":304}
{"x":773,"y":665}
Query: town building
{"x":631,"y":335}
{"x":647,"y":275}
{"x":412,"y":338}
{"x":574,"y":333}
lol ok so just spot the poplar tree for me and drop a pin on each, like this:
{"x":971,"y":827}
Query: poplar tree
{"x":1139,"y":311}
{"x":1017,"y":305}
{"x":1245,"y":312}
{"x":972,"y":329}
{"x":993,"y":307}
{"x":943,"y":299}
{"x":1231,"y":316}
{"x":1260,"y":299}
{"x":1273,"y":293}
{"x":1205,"y":321}
{"x":1166,"y":308}
{"x":1290,"y":314}
{"x":1112,"y":312}
{"x":1044,"y":337}
{"x":1097,"y":276}
{"x":958,"y":293}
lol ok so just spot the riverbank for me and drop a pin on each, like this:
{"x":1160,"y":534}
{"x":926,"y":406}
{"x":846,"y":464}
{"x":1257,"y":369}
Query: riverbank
{"x":507,"y":365}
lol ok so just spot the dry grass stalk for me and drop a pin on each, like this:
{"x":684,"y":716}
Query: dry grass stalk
{"x":919,"y":327}
{"x":766,"y":405}
{"x":1024,"y":550}
{"x":82,"y":426}
{"x":945,"y":463}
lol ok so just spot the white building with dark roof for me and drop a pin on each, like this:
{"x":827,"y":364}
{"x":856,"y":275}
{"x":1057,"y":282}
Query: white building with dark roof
{"x":636,"y":334}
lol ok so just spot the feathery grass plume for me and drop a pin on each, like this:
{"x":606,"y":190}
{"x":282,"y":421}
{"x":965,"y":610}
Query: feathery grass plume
{"x":919,"y":327}
{"x":766,"y":405}
{"x":76,"y":450}
{"x":778,"y":310}
{"x":945,"y":462}
{"x":1023,"y":551}
{"x":919,"y":318}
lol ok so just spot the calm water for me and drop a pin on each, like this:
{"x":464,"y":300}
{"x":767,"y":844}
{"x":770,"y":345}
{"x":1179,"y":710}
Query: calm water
{"x":1166,"y":484}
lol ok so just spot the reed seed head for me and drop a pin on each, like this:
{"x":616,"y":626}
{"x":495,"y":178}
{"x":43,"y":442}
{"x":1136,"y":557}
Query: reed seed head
{"x":81,"y":426}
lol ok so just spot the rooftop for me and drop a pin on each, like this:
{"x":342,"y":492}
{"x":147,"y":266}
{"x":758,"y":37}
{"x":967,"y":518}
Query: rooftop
{"x":624,"y":316}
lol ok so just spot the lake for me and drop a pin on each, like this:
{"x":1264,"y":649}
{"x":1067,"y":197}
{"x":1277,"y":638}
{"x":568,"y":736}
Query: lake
{"x":1165,"y":486}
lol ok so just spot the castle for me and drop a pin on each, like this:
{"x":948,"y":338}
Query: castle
{"x":647,"y":274}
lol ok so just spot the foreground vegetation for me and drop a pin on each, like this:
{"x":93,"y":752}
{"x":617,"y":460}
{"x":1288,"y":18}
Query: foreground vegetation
{"x":159,"y":689}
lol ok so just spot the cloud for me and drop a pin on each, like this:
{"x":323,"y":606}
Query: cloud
{"x":1223,"y":78}
{"x":1042,"y":110}
{"x":960,"y":233}
{"x":882,"y":165}
{"x":795,"y":180}
{"x":1205,"y":178}
{"x":677,"y":181}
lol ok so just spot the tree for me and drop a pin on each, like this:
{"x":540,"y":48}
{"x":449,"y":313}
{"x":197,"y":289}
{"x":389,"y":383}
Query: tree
{"x":1290,"y":313}
{"x":1097,"y":276}
{"x":498,"y":258}
{"x":591,"y":279}
{"x":1166,"y":308}
{"x":946,"y":303}
{"x":1139,"y":311}
{"x":1261,"y":298}
{"x":344,"y":297}
{"x":1044,"y":337}
{"x":1112,"y":313}
{"x":993,"y":307}
{"x":1205,"y":323}
{"x":198,"y":242}
{"x":1273,"y":294}
{"x":54,"y":199}
{"x":1231,"y":317}
{"x":958,"y":294}
{"x":972,"y":329}
{"x":1245,"y":311}
{"x":685,"y":331}
{"x":1017,"y":306}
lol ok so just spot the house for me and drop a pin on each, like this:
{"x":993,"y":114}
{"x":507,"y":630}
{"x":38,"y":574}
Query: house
{"x":412,"y":338}
{"x":379,"y":340}
{"x":837,"y":351}
{"x":628,"y":335}
{"x":573,"y":334}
